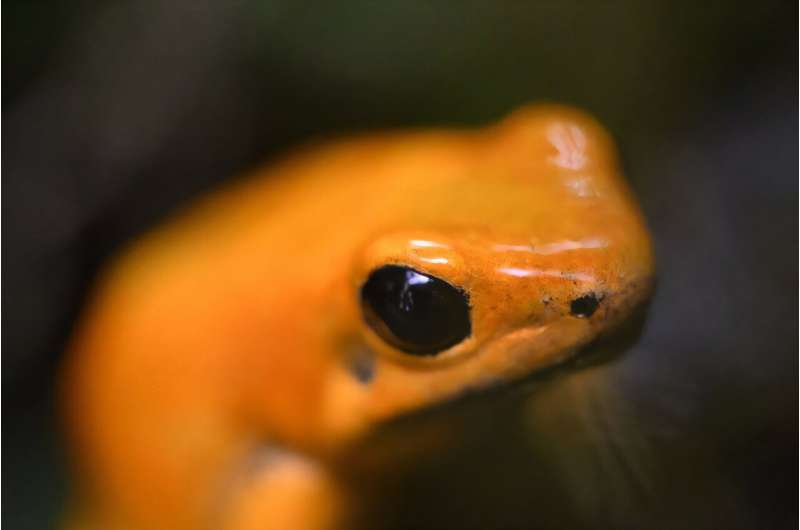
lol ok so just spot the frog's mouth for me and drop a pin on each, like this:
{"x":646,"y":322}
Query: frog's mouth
{"x":468,"y":439}
{"x":421,"y":429}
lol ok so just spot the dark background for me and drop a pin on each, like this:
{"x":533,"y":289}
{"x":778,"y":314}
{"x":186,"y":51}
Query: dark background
{"x":115,"y":113}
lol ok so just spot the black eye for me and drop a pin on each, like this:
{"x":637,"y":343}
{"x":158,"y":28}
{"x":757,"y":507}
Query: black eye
{"x":415,"y":312}
{"x":584,"y":306}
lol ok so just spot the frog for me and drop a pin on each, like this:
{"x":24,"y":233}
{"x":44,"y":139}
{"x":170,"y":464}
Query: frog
{"x":226,"y":358}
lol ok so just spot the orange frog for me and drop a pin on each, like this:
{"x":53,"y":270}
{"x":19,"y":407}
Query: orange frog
{"x":229,"y":356}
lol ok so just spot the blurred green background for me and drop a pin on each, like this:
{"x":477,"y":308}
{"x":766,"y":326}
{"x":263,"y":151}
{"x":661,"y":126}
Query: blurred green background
{"x":117,"y":112}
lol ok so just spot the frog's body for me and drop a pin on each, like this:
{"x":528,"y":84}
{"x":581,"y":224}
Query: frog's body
{"x":238,"y":328}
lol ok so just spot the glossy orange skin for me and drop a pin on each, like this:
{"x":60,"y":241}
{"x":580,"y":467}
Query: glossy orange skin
{"x":235,"y":327}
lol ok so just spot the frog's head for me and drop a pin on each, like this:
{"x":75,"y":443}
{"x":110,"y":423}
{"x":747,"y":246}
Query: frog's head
{"x":512,"y":265}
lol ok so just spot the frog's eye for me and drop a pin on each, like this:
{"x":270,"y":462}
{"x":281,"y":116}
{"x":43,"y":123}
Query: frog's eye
{"x":415,"y":312}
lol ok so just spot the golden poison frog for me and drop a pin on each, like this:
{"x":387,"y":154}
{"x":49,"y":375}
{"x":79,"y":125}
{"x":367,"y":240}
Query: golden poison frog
{"x":230,"y":355}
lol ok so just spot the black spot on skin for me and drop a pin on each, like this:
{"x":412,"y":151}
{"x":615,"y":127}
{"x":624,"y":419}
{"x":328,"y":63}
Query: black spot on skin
{"x":584,"y":306}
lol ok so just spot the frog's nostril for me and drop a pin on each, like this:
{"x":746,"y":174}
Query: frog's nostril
{"x":584,"y":306}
